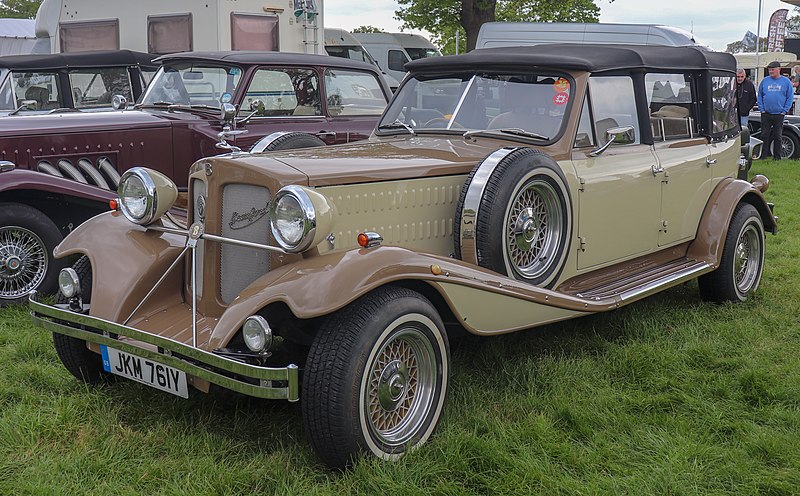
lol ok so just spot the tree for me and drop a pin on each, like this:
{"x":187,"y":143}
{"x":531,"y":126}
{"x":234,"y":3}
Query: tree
{"x":740,"y":46}
{"x":444,"y":18}
{"x":368,"y":29}
{"x":19,"y":9}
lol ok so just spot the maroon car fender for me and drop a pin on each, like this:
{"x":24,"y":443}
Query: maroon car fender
{"x":22,"y":179}
{"x":713,"y":228}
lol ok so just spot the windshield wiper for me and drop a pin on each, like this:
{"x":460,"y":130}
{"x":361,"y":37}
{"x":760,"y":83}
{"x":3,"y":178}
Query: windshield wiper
{"x":511,"y":130}
{"x":398,"y":124}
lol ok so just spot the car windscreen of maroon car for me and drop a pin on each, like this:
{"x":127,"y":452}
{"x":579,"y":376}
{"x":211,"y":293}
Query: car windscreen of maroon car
{"x":192,"y":84}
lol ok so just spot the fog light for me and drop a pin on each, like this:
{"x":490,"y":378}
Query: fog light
{"x":68,"y":282}
{"x":257,"y":333}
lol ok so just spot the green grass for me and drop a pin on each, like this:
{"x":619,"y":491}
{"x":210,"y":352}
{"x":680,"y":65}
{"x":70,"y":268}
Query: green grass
{"x":665,"y":396}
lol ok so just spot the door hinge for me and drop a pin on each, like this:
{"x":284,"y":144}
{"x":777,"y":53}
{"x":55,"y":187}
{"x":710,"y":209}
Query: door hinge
{"x":664,"y":225}
{"x":581,"y":243}
{"x":582,"y":181}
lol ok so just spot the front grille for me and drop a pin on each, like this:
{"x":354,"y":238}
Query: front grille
{"x":244,"y":217}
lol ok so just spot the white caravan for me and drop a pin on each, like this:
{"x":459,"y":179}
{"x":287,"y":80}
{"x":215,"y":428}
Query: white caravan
{"x":501,"y":34}
{"x":393,"y":50}
{"x":168,"y":26}
{"x":341,"y":43}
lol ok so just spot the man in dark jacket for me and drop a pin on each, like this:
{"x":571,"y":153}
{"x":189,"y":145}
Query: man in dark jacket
{"x":745,"y":96}
{"x":775,"y":96}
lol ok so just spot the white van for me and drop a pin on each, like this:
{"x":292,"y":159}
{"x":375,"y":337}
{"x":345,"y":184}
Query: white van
{"x":393,"y":50}
{"x":341,"y":43}
{"x":159,"y":26}
{"x":500,"y":34}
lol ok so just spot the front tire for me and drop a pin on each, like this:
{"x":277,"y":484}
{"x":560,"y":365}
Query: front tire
{"x":790,"y":145}
{"x":742,"y":262}
{"x":376,"y":378}
{"x":79,"y":360}
{"x":27,"y":240}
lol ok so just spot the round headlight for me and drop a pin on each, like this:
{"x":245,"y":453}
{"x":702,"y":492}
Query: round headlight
{"x":293,"y":219}
{"x":144,"y":195}
{"x":68,"y":282}
{"x":257,"y":333}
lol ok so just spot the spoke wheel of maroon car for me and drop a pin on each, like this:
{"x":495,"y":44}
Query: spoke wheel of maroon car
{"x":376,"y":378}
{"x":76,"y":357}
{"x":524,"y":219}
{"x":27,"y":239}
{"x":294,"y":140}
{"x":742,"y":262}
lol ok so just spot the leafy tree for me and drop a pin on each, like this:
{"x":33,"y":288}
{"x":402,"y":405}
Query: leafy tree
{"x":368,"y":29}
{"x":19,"y":9}
{"x":444,"y":18}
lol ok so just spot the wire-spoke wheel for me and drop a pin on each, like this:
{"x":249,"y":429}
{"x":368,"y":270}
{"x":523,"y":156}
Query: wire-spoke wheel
{"x":742,"y":261}
{"x":533,"y":228}
{"x":376,"y":378}
{"x":27,"y":239}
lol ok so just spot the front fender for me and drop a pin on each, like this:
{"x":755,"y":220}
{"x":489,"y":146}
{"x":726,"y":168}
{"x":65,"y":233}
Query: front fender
{"x":320,"y":285}
{"x":713,"y":228}
{"x":120,"y":282}
{"x":23,"y":179}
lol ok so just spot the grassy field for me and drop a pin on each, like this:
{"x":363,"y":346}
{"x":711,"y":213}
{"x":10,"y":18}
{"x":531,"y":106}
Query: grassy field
{"x":666,"y":396}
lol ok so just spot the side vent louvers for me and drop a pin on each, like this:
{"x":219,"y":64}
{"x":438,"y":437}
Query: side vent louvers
{"x":104,"y":175}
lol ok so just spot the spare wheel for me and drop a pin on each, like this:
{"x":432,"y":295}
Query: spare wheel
{"x":514,"y":216}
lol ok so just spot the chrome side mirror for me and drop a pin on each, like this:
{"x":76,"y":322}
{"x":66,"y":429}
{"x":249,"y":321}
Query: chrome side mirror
{"x":119,"y":102}
{"x":622,"y":135}
{"x":25,"y":105}
{"x":227,"y":112}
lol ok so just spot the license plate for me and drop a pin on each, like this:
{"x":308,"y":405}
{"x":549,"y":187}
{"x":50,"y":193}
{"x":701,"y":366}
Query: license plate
{"x":142,"y":370}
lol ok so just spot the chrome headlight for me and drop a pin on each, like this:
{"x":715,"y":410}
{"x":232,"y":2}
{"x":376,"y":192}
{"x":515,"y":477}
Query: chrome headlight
{"x":69,"y":283}
{"x":145,"y":195}
{"x":293,"y":219}
{"x":257,"y":333}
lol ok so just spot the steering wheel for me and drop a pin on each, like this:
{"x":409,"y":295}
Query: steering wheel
{"x":445,"y":120}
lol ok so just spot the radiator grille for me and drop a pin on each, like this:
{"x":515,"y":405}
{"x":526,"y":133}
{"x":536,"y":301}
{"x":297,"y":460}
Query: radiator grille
{"x":199,"y":189}
{"x":244,"y":217}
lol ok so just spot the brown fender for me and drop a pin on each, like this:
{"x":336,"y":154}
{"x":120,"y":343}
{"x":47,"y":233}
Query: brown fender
{"x":319,"y":285}
{"x":713,"y":228}
{"x":120,"y":282}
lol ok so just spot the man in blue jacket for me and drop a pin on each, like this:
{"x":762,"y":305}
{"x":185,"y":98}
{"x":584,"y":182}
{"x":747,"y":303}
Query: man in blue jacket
{"x":775,"y":95}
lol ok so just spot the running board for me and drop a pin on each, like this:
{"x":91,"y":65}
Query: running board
{"x":639,"y":285}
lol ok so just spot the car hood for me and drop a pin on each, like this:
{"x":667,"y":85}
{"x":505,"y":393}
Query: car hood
{"x":386,"y":159}
{"x":71,"y":122}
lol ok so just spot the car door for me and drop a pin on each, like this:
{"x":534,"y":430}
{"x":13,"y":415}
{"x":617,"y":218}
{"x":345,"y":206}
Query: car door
{"x":684,"y":161}
{"x":283,"y":99}
{"x":354,"y":100}
{"x":619,"y":198}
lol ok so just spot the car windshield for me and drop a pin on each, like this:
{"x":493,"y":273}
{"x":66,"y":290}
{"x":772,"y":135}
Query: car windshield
{"x":190,"y":83}
{"x":534,"y":103}
{"x":7,"y":101}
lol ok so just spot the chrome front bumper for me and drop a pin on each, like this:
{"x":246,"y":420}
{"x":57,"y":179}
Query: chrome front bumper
{"x":194,"y":361}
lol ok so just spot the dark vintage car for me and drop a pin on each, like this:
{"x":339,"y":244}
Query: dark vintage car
{"x":85,"y":80}
{"x":790,"y":139}
{"x":60,"y":169}
{"x":503,"y":189}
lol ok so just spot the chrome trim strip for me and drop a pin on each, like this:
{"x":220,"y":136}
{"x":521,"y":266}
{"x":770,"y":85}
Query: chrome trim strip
{"x":659,"y":284}
{"x":472,"y":202}
{"x":461,"y":102}
{"x":71,"y":323}
{"x":218,"y":239}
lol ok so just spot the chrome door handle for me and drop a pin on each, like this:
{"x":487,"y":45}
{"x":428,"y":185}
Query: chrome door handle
{"x":711,"y":161}
{"x":323,"y":134}
{"x":657,"y":169}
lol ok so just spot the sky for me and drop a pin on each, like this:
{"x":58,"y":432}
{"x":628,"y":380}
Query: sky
{"x":716,"y":23}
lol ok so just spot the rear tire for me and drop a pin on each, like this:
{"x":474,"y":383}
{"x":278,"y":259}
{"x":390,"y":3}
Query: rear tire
{"x":742,"y":262}
{"x":27,"y":240}
{"x":376,"y":378}
{"x":790,"y":145}
{"x":79,"y":360}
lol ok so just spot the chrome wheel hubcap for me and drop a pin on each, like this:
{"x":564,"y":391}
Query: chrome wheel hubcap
{"x":534,"y":225}
{"x":747,"y":259}
{"x":402,"y":381}
{"x":23,"y":261}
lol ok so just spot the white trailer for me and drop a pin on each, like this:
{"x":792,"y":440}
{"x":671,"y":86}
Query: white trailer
{"x":393,"y":50}
{"x":168,"y":26}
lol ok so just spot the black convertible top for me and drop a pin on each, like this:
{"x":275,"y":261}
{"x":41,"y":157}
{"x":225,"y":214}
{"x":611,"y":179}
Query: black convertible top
{"x":572,"y":56}
{"x":106,"y":58}
{"x":271,"y":58}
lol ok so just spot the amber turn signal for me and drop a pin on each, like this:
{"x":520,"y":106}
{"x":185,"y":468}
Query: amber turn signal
{"x":363,"y":240}
{"x":113,"y":204}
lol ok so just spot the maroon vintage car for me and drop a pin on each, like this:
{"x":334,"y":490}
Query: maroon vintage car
{"x":58,"y":170}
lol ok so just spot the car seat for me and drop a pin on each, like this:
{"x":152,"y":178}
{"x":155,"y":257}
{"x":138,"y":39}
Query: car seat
{"x":40,"y":95}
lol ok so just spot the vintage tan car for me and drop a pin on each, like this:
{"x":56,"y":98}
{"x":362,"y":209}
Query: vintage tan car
{"x":502,"y":190}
